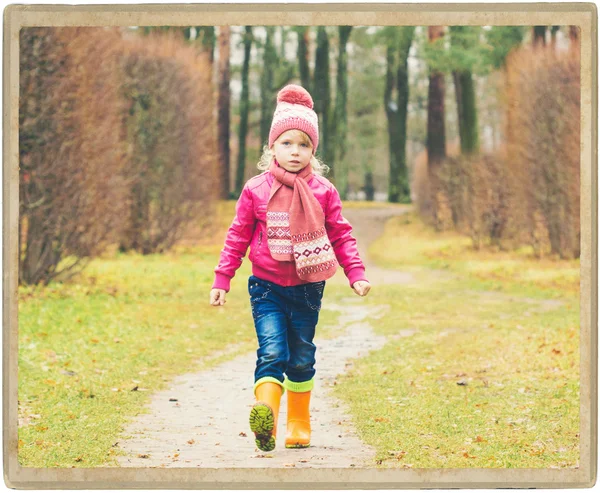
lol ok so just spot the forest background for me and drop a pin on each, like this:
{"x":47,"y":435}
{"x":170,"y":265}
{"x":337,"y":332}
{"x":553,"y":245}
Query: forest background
{"x":476,"y":125}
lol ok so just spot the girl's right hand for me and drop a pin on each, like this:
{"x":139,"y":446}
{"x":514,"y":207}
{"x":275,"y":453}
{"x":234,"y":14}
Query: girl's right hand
{"x":217,"y":297}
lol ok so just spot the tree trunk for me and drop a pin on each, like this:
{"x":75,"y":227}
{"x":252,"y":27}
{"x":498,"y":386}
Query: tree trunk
{"x":467,"y":112}
{"x":369,"y":187}
{"x":283,"y":33}
{"x":267,"y":92}
{"x":303,"y":41}
{"x":465,"y":101}
{"x":321,"y":92}
{"x":539,"y":36}
{"x":399,"y":185}
{"x":391,"y":111}
{"x":244,"y":109}
{"x":553,"y":31}
{"x":223,"y":113}
{"x":340,"y":124}
{"x":436,"y":141}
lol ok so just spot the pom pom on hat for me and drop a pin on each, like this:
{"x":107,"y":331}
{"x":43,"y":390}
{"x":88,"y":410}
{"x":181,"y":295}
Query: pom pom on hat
{"x":295,"y":111}
{"x":295,"y":94}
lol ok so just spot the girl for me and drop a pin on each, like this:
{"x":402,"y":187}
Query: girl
{"x":291,"y":217}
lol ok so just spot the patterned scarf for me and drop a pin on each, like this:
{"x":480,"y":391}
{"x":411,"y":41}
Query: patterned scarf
{"x":296,"y":225}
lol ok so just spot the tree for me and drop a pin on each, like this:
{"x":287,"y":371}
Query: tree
{"x":223,"y":112}
{"x":499,"y":41}
{"x":267,"y":90}
{"x":340,"y":124}
{"x":539,"y":36}
{"x":436,"y":133}
{"x":303,"y":32}
{"x":462,"y":38}
{"x":398,"y":41}
{"x":244,"y":109}
{"x":553,"y":31}
{"x":321,"y":92}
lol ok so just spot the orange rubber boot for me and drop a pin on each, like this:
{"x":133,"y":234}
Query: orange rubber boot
{"x":298,"y":420}
{"x":263,"y":416}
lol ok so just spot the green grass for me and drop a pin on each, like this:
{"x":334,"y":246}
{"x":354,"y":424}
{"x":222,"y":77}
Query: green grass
{"x":481,"y":368}
{"x":132,"y":321}
{"x":409,"y":243}
{"x":128,"y":321}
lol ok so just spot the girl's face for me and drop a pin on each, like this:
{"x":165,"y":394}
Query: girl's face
{"x":293,"y":150}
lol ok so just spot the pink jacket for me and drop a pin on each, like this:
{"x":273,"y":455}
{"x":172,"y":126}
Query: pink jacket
{"x":249,"y":228}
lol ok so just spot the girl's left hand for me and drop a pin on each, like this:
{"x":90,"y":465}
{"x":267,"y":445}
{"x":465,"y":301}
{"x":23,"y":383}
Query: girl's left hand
{"x":361,"y":288}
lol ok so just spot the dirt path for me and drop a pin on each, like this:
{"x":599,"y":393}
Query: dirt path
{"x":207,"y":426}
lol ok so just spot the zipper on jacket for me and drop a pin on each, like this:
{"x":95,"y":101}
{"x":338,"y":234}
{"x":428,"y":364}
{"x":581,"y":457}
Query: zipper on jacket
{"x":259,"y":238}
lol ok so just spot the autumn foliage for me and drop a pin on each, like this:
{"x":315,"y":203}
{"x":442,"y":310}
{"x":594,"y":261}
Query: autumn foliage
{"x":543,"y":147}
{"x":171,"y":134}
{"x":116,"y":145}
{"x":71,"y":186}
{"x":526,"y":193}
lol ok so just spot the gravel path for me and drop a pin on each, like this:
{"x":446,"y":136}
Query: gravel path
{"x":207,"y":426}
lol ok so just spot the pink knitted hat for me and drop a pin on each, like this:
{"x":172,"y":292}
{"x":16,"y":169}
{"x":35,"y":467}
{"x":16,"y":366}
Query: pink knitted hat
{"x":295,"y":111}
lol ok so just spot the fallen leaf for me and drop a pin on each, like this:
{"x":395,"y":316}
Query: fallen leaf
{"x":191,"y":442}
{"x":144,"y":456}
{"x":94,"y":340}
{"x":468,"y":456}
{"x":242,"y":434}
{"x":381,"y":420}
{"x":79,"y":459}
{"x":480,"y":439}
{"x":290,"y":465}
{"x":50,"y":382}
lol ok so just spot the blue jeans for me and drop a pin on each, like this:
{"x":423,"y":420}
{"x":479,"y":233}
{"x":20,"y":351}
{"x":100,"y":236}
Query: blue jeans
{"x":285,"y":319}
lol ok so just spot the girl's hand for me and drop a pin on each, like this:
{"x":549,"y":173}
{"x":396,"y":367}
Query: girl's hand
{"x":217,"y":297}
{"x":361,"y":288}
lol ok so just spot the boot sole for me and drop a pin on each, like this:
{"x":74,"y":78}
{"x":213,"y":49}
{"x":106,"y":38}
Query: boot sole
{"x":261,"y":424}
{"x":298,"y":445}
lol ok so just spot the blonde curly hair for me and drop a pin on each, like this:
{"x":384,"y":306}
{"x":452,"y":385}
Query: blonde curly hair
{"x":318,"y":166}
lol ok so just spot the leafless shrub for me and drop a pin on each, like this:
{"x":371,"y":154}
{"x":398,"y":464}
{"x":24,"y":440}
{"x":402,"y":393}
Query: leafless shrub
{"x":71,"y":188}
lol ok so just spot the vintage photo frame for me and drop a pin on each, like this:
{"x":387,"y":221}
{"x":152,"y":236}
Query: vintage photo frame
{"x":583,"y":15}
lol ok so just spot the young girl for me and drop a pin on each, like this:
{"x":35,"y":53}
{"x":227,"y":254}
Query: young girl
{"x":291,"y":217}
